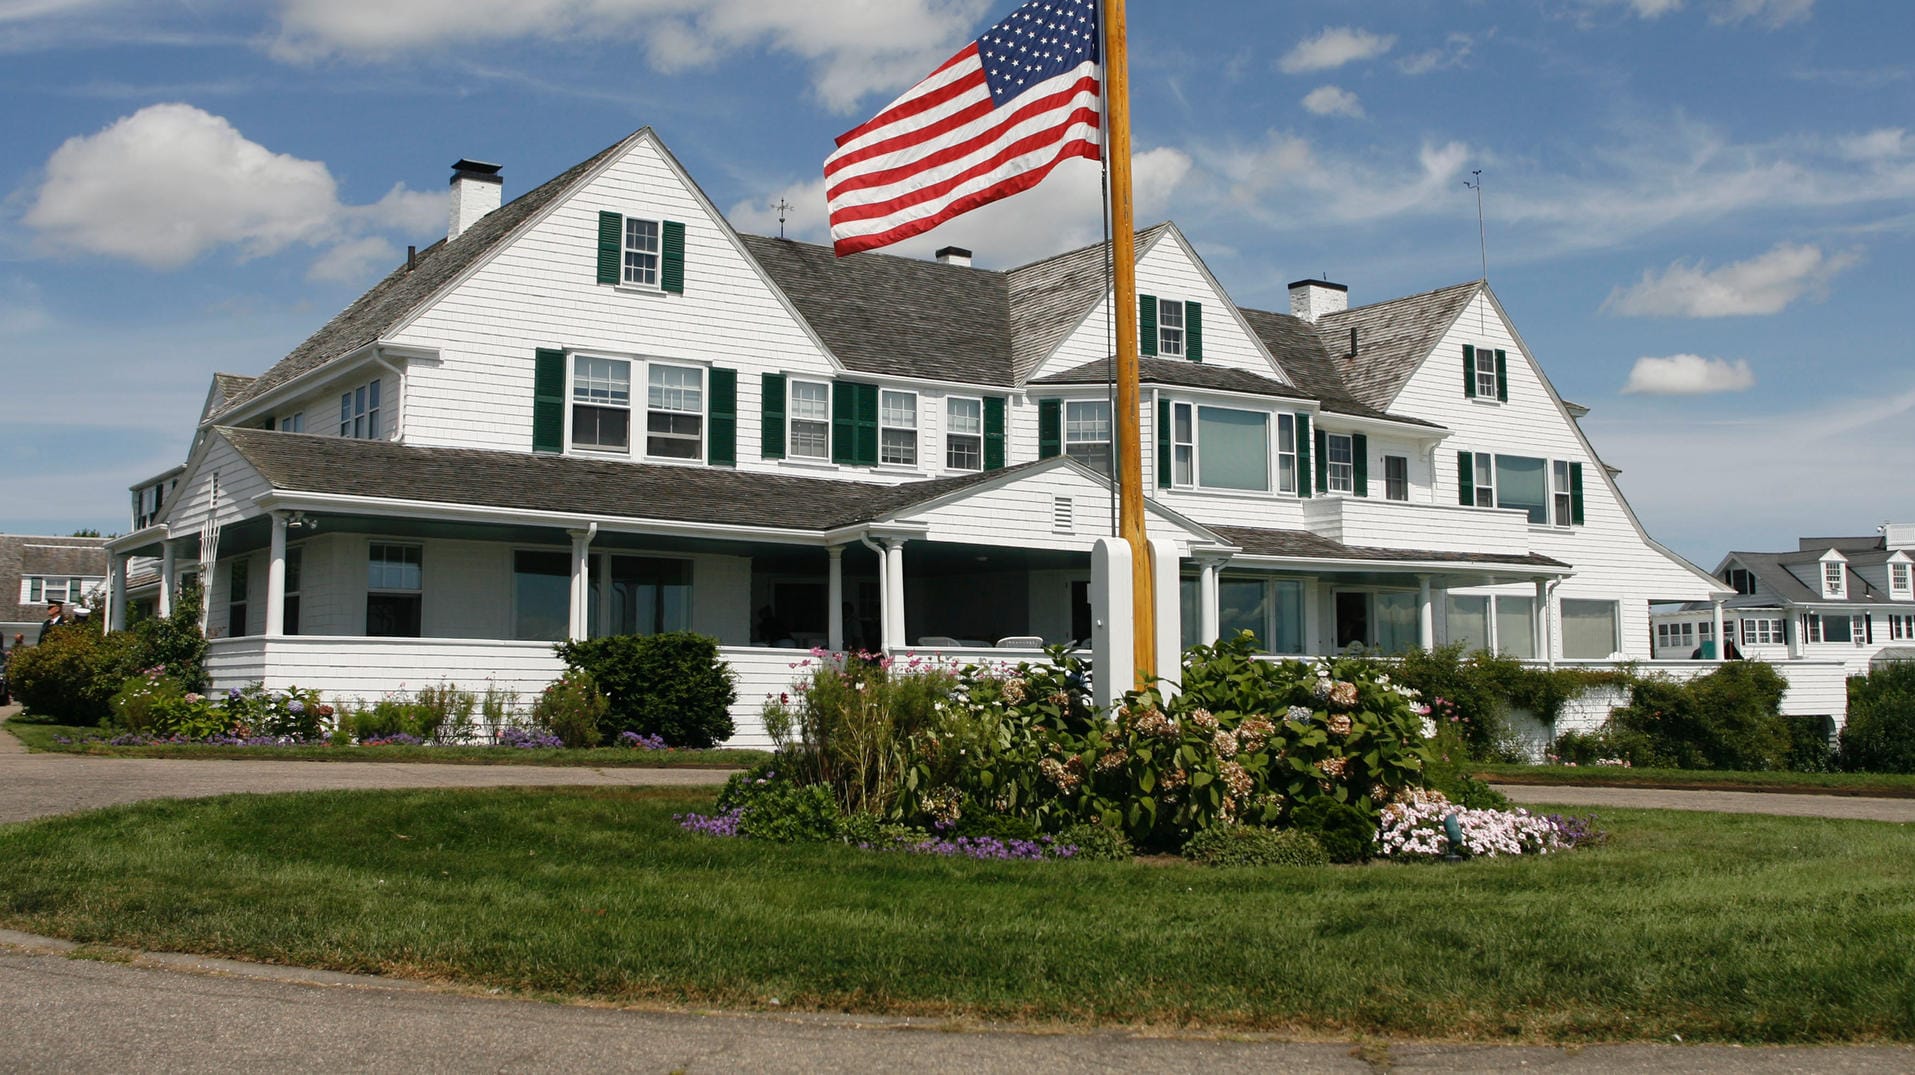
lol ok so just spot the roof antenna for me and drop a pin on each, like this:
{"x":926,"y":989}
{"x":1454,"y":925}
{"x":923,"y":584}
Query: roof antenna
{"x":783,"y":207}
{"x":1482,"y":237}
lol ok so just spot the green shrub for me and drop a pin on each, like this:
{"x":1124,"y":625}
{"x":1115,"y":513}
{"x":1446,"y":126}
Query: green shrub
{"x":572,"y":708}
{"x":1097,"y":843}
{"x":790,"y":813}
{"x":1345,"y":831}
{"x":1880,"y":733}
{"x":1728,"y":719}
{"x":1467,"y":695}
{"x":850,"y":726}
{"x":672,"y":685}
{"x":74,"y":673}
{"x":996,"y":826}
{"x":1811,"y":744}
{"x":174,"y":642}
{"x":292,"y":712}
{"x":447,"y":713}
{"x":1251,"y":845}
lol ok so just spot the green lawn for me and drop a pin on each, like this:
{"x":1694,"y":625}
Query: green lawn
{"x":1892,"y":785}
{"x":1714,"y":927}
{"x":38,"y":736}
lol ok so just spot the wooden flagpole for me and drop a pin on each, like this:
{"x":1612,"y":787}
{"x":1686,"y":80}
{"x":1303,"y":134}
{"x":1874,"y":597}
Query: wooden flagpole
{"x":1124,"y":421}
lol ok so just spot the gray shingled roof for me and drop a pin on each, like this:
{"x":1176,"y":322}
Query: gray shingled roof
{"x":1298,"y":348}
{"x":298,"y":462}
{"x":403,"y":291}
{"x":1393,"y":339}
{"x":1302,"y":543}
{"x":1772,"y":571}
{"x":1180,"y":374}
{"x":1050,"y":297}
{"x":884,"y":314}
{"x":27,"y":554}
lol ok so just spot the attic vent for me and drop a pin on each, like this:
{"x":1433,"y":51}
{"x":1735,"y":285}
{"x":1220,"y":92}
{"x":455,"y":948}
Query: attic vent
{"x":1352,"y":353}
{"x":1062,"y":517}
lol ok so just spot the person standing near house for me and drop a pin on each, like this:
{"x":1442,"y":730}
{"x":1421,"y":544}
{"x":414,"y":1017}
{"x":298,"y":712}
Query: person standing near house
{"x":56,"y":617}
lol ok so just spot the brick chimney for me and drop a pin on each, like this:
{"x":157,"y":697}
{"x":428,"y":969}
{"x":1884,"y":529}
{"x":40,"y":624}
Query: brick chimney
{"x":1311,"y":299}
{"x":954,"y":255}
{"x":476,"y":191}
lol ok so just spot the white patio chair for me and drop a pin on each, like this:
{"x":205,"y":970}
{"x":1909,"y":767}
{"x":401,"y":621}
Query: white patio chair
{"x":1020,"y":642}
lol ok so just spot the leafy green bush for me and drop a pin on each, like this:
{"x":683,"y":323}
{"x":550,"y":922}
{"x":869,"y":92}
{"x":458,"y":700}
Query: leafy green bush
{"x":1250,"y":845}
{"x":74,"y":673}
{"x":1097,"y":843}
{"x":1345,"y":831}
{"x":291,"y":712}
{"x":791,"y":813}
{"x":572,"y":708}
{"x":174,"y":642}
{"x":672,"y":685}
{"x":850,"y":725}
{"x":1811,"y":744}
{"x":160,"y":706}
{"x":1728,"y":719}
{"x":1880,"y":733}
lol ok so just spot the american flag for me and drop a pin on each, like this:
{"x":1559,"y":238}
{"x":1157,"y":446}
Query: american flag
{"x":992,"y":121}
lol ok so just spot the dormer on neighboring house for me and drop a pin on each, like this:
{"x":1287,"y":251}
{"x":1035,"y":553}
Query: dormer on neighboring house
{"x":1834,"y":575}
{"x":1901,"y":576}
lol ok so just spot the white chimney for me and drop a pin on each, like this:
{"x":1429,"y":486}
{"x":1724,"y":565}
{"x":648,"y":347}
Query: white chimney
{"x":476,"y":191}
{"x":1311,"y":299}
{"x":954,"y":255}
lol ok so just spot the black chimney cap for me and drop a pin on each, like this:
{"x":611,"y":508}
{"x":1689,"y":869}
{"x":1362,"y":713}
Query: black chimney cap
{"x":953,"y":250}
{"x":1320,"y":283}
{"x":464,"y":164}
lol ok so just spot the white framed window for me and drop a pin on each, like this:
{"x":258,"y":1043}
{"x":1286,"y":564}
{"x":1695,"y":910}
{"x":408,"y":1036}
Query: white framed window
{"x":359,"y":412}
{"x":1339,"y":452}
{"x":1859,"y":629}
{"x":1741,"y":578}
{"x":1900,"y":578}
{"x":674,"y":411}
{"x":601,"y":404}
{"x":1221,"y":448}
{"x":1396,"y":477}
{"x":1183,"y":445}
{"x":395,"y":588}
{"x":1811,"y":627}
{"x":146,"y":510}
{"x":1087,"y":433}
{"x":1675,"y":636}
{"x":1762,"y":631}
{"x":1559,"y":496}
{"x":1485,"y":480}
{"x":1170,"y":328}
{"x":1834,"y":578}
{"x":808,"y":435}
{"x":1485,"y":372}
{"x":898,"y":428}
{"x":964,"y":433}
{"x":641,"y":253}
{"x":1286,"y":453}
{"x":293,"y":423}
{"x":44,"y":589}
{"x":1516,"y":626}
{"x":1901,"y":626}
{"x":1590,"y":628}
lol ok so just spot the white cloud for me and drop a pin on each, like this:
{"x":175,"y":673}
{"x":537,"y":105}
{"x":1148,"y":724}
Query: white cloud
{"x":1334,"y":47}
{"x":1333,"y":101}
{"x":1885,"y":144}
{"x":855,"y":47}
{"x":1061,"y":213}
{"x":1266,"y":182}
{"x":1454,"y":52}
{"x":1761,"y":285}
{"x":1654,"y":9}
{"x":171,"y":183}
{"x":1688,"y":375}
{"x":22,"y":307}
{"x":1770,"y":13}
{"x":354,"y":260}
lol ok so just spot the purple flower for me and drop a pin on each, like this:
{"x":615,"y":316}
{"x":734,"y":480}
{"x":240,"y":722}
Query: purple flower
{"x":641,"y":742}
{"x":232,"y":695}
{"x":295,"y":707}
{"x":725,"y":824}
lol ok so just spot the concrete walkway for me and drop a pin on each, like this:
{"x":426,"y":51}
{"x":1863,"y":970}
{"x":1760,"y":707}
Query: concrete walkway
{"x":1724,"y":802}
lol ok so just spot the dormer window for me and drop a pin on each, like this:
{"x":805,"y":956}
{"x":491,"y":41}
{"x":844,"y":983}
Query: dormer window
{"x":1834,"y":578}
{"x":1901,"y":580}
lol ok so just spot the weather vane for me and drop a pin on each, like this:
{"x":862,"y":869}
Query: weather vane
{"x":1482,"y":238}
{"x":783,"y":207}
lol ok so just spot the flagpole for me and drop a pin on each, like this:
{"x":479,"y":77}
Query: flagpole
{"x":1124,"y":418}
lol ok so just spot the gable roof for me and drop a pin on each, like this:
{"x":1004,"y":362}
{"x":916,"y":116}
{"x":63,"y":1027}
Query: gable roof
{"x":1393,"y":339}
{"x":1305,"y":358}
{"x":884,"y":314}
{"x":1051,"y":297}
{"x":404,"y":290}
{"x":26,"y":554}
{"x":1771,"y":570}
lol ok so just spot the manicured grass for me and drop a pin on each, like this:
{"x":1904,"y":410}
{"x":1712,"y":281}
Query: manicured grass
{"x":40,"y":737}
{"x":1714,"y":927}
{"x":1888,"y":785}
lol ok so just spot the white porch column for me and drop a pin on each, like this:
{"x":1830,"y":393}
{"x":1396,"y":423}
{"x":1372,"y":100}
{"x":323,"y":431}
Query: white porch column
{"x":169,"y":571}
{"x":1545,"y":645}
{"x":1207,"y":617}
{"x":276,"y":578}
{"x":1722,"y":644}
{"x":834,"y":599}
{"x":580,"y":622}
{"x":894,"y":594}
{"x":1425,"y":615}
{"x":116,"y":594}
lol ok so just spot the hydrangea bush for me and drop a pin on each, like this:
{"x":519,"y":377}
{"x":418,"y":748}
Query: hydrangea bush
{"x":1413,"y":828}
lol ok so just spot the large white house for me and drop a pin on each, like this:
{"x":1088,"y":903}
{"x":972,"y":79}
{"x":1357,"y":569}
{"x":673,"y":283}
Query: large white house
{"x":598,"y":408}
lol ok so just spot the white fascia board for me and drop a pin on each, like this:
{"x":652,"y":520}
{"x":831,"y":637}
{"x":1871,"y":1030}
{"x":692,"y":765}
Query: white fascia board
{"x":331,"y":368}
{"x":344,"y":504}
{"x":1358,"y":423}
{"x":173,"y":471}
{"x":1450,"y":567}
{"x":138,"y":539}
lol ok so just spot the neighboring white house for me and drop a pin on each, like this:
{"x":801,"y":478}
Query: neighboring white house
{"x":36,"y":570}
{"x":599,"y":409}
{"x":1846,"y":599}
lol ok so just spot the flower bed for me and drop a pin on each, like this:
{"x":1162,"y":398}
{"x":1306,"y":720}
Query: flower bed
{"x":1415,"y":827}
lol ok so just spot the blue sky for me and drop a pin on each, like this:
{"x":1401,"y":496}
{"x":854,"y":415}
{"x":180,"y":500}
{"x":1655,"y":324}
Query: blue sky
{"x":1699,"y":211}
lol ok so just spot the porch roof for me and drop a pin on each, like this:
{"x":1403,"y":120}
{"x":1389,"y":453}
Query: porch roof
{"x":1303,"y":545}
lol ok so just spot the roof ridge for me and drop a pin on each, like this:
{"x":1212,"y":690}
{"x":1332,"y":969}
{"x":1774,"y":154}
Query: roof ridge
{"x":1405,"y":298}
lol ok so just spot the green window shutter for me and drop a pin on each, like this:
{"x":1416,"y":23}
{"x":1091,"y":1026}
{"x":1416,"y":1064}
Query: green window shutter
{"x":994,"y":433}
{"x":1050,"y":428}
{"x":1469,"y":371}
{"x":1304,"y":488}
{"x":1360,"y":462}
{"x":548,"y":401}
{"x":723,"y":450}
{"x":866,"y":424}
{"x":611,"y":247}
{"x":1466,"y":479}
{"x":1323,"y":463}
{"x":771,"y":422}
{"x":1576,"y":493}
{"x":1163,"y":444}
{"x":1194,"y":331}
{"x":1502,"y":377}
{"x":1147,"y":324}
{"x":844,"y":437}
{"x":671,"y":272}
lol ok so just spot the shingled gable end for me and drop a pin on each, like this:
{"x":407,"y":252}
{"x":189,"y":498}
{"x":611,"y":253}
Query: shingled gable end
{"x":600,"y":409}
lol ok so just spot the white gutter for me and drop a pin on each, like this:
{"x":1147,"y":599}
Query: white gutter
{"x":338,"y":503}
{"x":327,"y":370}
{"x":399,"y":419}
{"x":1452,"y":566}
